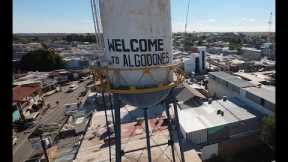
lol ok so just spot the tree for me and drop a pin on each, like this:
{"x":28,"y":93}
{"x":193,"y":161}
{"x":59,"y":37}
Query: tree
{"x":41,"y":60}
{"x":267,"y":134}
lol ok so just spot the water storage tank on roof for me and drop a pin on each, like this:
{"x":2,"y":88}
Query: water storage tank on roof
{"x":137,"y":39}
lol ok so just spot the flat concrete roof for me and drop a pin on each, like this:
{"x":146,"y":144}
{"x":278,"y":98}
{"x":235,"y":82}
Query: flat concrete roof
{"x":232,"y":79}
{"x":258,"y":77}
{"x":205,"y":116}
{"x":266,"y":93}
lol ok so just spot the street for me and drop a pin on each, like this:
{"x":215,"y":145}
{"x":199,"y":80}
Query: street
{"x":55,"y":114}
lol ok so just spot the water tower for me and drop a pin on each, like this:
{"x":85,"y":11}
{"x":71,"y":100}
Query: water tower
{"x":137,"y":66}
{"x":137,"y":60}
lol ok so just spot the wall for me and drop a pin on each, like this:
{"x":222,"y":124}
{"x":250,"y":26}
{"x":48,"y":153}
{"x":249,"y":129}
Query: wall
{"x":209,"y":151}
{"x":197,"y":137}
{"x":189,"y":65}
{"x":232,"y":146}
{"x":220,"y":90}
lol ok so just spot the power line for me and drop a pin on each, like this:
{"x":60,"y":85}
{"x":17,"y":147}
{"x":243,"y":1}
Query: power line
{"x":187,"y":12}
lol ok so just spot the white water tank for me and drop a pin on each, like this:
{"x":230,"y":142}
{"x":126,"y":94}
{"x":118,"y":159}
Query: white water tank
{"x":137,"y":34}
{"x":189,"y":66}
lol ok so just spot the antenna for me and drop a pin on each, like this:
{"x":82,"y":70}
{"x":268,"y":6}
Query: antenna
{"x":185,"y":30}
{"x":97,"y":23}
{"x":187,"y":16}
{"x":270,"y":27}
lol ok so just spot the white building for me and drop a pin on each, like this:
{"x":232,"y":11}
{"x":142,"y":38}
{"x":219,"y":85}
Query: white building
{"x":76,"y":63}
{"x":207,"y":119}
{"x":223,"y":84}
{"x":268,"y":49}
{"x":195,"y":62}
{"x":251,"y":53}
{"x":189,"y":66}
{"x":207,"y":126}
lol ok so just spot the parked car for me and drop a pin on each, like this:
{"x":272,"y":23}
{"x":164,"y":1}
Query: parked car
{"x":70,"y":108}
{"x":14,"y":140}
{"x":82,"y":94}
{"x":72,"y":87}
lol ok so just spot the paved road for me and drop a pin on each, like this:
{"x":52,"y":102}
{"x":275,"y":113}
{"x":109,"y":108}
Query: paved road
{"x":23,"y":150}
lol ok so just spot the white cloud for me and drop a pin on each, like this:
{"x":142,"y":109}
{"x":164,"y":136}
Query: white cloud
{"x":232,"y":27}
{"x":211,"y":20}
{"x":243,"y":19}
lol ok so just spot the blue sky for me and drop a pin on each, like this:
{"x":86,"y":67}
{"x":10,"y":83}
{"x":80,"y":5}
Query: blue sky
{"x":69,"y":16}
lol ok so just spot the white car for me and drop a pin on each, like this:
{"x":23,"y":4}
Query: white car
{"x":14,"y":140}
{"x":72,"y":87}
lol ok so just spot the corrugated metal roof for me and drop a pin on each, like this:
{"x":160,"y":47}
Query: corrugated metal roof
{"x":20,"y":92}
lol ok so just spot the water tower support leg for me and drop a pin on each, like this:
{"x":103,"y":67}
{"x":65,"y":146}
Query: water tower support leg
{"x":147,"y":135}
{"x":178,"y":130}
{"x":117,"y":128}
{"x":170,"y":131}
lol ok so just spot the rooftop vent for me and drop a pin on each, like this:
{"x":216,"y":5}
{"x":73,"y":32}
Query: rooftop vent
{"x":210,"y":100}
{"x":220,"y":112}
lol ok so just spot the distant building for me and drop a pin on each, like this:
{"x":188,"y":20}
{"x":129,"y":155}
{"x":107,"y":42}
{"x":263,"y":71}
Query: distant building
{"x":251,"y":53}
{"x":76,"y":63}
{"x":214,"y":50}
{"x":265,"y":78}
{"x":20,"y":49}
{"x":26,"y":99}
{"x":223,"y":84}
{"x":227,"y":51}
{"x":42,"y":78}
{"x":196,"y":61}
{"x":61,"y":76}
{"x":59,"y":44}
{"x":268,"y":49}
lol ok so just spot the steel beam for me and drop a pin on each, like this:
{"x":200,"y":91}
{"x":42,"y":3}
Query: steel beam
{"x":107,"y":125}
{"x":147,"y":134}
{"x":178,"y":130}
{"x":117,"y":128}
{"x":170,"y":130}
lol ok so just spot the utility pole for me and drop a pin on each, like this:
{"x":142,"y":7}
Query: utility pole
{"x":185,"y":30}
{"x":269,"y":38}
{"x":270,"y":27}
